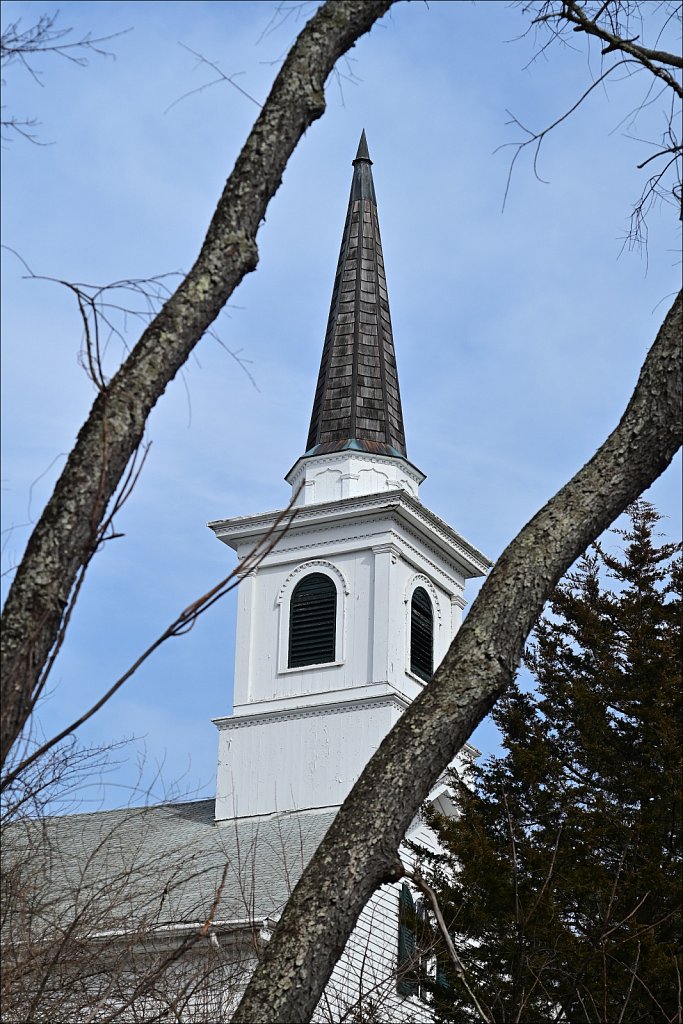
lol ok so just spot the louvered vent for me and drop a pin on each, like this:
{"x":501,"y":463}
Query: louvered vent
{"x":421,"y":635}
{"x":312,"y":621}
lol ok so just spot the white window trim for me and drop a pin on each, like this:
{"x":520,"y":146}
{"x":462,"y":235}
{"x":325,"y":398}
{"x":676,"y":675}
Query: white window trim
{"x":283,"y":600}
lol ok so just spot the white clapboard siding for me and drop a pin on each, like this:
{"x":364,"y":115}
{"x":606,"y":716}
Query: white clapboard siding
{"x":367,"y":970}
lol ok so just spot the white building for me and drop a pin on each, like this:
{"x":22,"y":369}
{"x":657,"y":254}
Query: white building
{"x":338,"y":629}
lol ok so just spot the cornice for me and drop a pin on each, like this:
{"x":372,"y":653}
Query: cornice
{"x":316,"y":711}
{"x":448,"y":534}
{"x":414,"y":556}
{"x":398,"y":503}
{"x":389,"y":547}
{"x":305,"y":514}
{"x":353,"y":543}
{"x":419,"y":559}
{"x":295,"y":473}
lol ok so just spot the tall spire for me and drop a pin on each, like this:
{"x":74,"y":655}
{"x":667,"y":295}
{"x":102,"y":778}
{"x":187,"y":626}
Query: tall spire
{"x":357,"y":402}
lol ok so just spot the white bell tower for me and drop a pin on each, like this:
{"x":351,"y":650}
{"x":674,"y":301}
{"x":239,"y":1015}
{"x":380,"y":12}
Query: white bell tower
{"x":349,"y":613}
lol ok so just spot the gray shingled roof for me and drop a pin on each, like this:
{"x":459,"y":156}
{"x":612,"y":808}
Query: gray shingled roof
{"x":163,"y":864}
{"x":357,"y":401}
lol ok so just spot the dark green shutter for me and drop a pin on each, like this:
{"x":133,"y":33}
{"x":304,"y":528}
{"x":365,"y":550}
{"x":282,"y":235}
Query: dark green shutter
{"x":442,"y":982}
{"x":406,"y":942}
{"x":421,"y":635}
{"x":312,"y":621}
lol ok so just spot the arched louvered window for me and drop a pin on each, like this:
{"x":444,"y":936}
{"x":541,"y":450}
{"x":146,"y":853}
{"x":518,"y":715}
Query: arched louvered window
{"x":421,"y":635}
{"x":312,"y":621}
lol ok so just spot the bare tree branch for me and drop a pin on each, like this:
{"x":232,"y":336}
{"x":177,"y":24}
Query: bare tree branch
{"x":222,"y":77}
{"x":183,"y":623}
{"x":106,"y":313}
{"x":575,"y":14}
{"x":63,"y":537}
{"x":22,"y":45}
{"x":619,"y":26}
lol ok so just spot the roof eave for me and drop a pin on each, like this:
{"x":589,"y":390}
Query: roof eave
{"x":472,"y":563}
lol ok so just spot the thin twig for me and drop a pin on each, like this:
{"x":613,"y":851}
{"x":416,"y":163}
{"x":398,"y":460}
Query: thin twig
{"x":424,"y":887}
{"x":207,"y":85}
{"x":180,"y":625}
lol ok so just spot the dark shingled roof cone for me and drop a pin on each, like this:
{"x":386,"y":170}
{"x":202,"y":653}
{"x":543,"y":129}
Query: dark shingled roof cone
{"x":357,"y":401}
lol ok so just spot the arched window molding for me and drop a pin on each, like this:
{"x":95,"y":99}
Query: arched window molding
{"x":420,"y":580}
{"x":284,"y":599}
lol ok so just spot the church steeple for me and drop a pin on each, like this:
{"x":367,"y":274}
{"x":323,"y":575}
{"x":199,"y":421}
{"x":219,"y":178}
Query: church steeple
{"x":348,"y":614}
{"x":357,"y":401}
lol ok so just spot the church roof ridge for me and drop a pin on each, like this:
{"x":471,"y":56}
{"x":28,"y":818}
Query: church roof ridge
{"x":357,"y":401}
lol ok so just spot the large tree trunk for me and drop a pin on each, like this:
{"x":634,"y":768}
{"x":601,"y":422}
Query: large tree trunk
{"x":361,"y":849}
{"x":66,"y":535}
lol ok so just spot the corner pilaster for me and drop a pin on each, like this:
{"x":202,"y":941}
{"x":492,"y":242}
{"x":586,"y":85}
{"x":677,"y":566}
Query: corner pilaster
{"x":384,"y":611}
{"x":245,"y":634}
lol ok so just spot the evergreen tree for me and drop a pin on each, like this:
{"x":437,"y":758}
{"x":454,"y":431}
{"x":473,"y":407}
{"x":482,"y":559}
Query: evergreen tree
{"x":561,"y":877}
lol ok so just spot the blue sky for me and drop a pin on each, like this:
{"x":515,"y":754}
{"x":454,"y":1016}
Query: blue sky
{"x":519,"y":334}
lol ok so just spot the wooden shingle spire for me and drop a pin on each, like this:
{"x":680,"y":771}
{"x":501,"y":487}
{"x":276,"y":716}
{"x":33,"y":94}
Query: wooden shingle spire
{"x":357,"y":402}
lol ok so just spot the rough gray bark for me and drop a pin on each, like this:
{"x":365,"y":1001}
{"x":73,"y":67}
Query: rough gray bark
{"x":360,"y":851}
{"x":66,"y":535}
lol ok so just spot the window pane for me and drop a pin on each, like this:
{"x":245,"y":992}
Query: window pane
{"x":421,"y":635}
{"x":312,"y":621}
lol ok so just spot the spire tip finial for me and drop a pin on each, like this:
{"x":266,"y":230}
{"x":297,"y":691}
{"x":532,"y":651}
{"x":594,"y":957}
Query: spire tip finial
{"x":363,"y":153}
